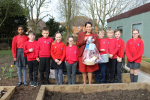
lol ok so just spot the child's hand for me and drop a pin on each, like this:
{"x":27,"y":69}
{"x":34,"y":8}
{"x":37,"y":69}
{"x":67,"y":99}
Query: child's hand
{"x":15,"y":59}
{"x":56,"y":60}
{"x":119,"y":59}
{"x":110,"y":56}
{"x":38,"y":59}
{"x":59,"y":63}
{"x":85,"y":38}
{"x":31,"y":50}
{"x":102,"y":49}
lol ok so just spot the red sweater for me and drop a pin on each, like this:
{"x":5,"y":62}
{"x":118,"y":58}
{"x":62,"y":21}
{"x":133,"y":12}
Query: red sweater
{"x":134,"y":50}
{"x":121,"y":45}
{"x":30,"y":55}
{"x":58,"y":51}
{"x":113,"y":47}
{"x":14,"y":44}
{"x":71,"y":54}
{"x":103,"y":44}
{"x":43,"y":48}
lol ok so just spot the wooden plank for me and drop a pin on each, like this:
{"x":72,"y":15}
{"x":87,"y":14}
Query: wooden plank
{"x":41,"y":93}
{"x":145,"y":66}
{"x":125,"y":77}
{"x":10,"y":91}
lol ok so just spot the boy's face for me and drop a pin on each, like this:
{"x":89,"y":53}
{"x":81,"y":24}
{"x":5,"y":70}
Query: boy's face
{"x":109,"y":34}
{"x":101,"y":35}
{"x":117,"y":35}
{"x":31,"y":37}
{"x":45,"y":33}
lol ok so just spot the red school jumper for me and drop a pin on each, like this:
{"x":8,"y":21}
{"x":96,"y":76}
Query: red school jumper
{"x":121,"y":46}
{"x":134,"y":50}
{"x":43,"y":48}
{"x":81,"y":43}
{"x":58,"y":51}
{"x":18,"y":42}
{"x":103,"y":44}
{"x":113,"y":47}
{"x":31,"y":56}
{"x":72,"y":54}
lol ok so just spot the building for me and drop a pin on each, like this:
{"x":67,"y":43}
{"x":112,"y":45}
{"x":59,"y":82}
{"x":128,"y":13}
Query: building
{"x":138,"y":18}
{"x":78,"y":25}
{"x":40,"y":26}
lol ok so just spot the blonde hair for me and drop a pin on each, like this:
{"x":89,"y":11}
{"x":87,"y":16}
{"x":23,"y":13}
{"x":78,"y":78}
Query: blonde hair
{"x":101,"y":31}
{"x":139,"y":36}
{"x":109,"y":30}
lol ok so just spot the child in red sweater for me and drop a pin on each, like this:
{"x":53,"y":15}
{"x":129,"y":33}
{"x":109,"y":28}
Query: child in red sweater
{"x":103,"y":49}
{"x":58,"y":52}
{"x":120,"y":55}
{"x":18,"y":55}
{"x":71,"y":59}
{"x":43,"y":55}
{"x":112,"y":50}
{"x":134,"y":52}
{"x":30,"y":51}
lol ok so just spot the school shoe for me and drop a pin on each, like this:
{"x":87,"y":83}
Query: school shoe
{"x":115,"y":81}
{"x":35,"y":84}
{"x":107,"y":81}
{"x":32,"y":83}
{"x":25,"y":84}
{"x":47,"y":83}
{"x":42,"y":83}
{"x":19,"y":84}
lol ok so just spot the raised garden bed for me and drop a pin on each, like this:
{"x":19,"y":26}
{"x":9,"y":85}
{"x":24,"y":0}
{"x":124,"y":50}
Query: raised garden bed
{"x":9,"y":92}
{"x":122,"y":90}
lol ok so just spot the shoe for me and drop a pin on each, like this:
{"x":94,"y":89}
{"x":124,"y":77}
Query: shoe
{"x":19,"y":84}
{"x":35,"y":84}
{"x":102,"y":82}
{"x":111,"y":81}
{"x":32,"y":83}
{"x":47,"y":83}
{"x":97,"y":82}
{"x":115,"y":81}
{"x":107,"y":81}
{"x":42,"y":83}
{"x":25,"y":84}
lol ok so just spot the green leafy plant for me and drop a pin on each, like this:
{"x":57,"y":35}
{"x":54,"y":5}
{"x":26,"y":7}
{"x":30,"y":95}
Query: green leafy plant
{"x":3,"y":70}
{"x":9,"y":73}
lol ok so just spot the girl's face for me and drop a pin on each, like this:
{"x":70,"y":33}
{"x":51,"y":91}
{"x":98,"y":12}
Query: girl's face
{"x":135,"y":34}
{"x":110,"y":34}
{"x":88,"y":28}
{"x":117,"y":35}
{"x":58,"y":37}
{"x":31,"y":37}
{"x":20,"y":30}
{"x":101,"y":35}
{"x":70,"y":41}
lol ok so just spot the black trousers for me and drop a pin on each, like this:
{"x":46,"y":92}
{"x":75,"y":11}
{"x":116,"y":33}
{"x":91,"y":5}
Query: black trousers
{"x":44,"y":67}
{"x":110,"y":71}
{"x":33,"y":68}
{"x":118,"y":71}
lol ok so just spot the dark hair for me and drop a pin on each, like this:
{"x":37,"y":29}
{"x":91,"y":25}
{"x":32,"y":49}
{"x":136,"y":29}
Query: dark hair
{"x":70,"y":36}
{"x":88,"y":23}
{"x":31,"y":32}
{"x":45,"y":29}
{"x":20,"y":26}
{"x":116,"y":30}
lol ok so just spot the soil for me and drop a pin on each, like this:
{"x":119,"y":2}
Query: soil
{"x":140,"y":94}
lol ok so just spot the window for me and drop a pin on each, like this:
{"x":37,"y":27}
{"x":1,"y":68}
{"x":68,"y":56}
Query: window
{"x":121,"y":30}
{"x":138,"y":26}
{"x":78,"y":27}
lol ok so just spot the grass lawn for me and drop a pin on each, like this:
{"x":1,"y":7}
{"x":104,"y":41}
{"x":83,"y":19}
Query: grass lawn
{"x":5,"y":53}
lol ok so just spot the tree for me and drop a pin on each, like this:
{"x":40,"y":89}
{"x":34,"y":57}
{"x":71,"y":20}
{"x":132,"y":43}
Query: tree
{"x":54,"y":26}
{"x":34,"y":9}
{"x":69,"y":9}
{"x":10,"y":8}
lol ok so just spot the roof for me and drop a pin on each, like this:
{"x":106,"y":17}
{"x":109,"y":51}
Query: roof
{"x":136,"y":11}
{"x":79,"y":21}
